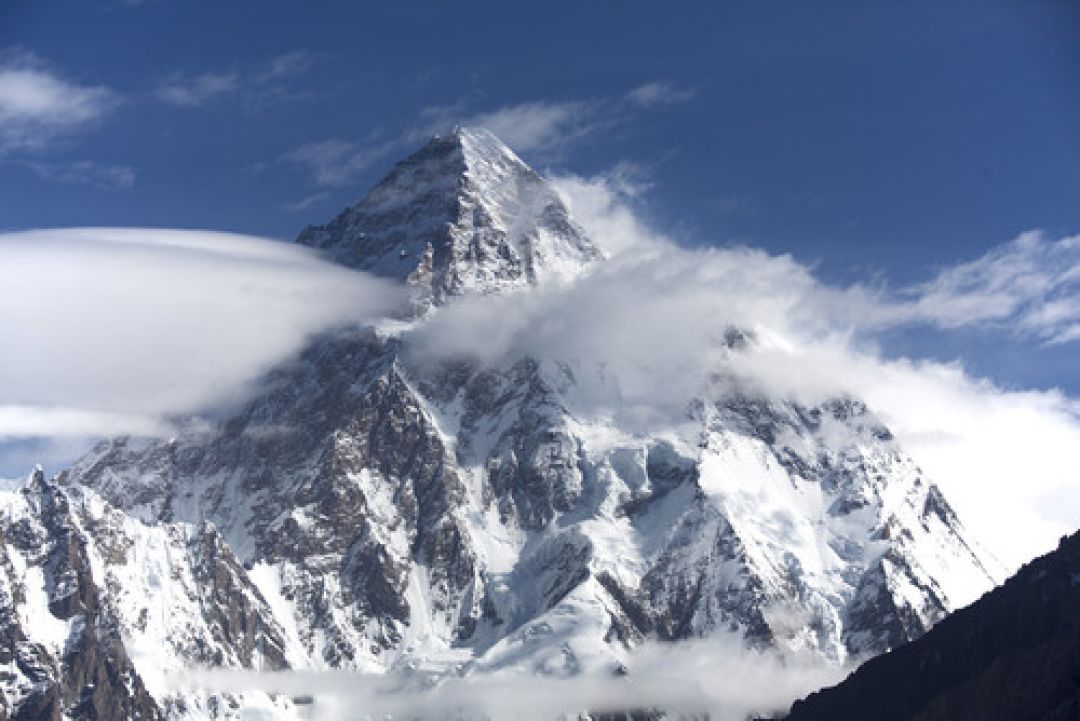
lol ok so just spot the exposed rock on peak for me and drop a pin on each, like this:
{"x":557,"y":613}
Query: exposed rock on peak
{"x":462,"y":214}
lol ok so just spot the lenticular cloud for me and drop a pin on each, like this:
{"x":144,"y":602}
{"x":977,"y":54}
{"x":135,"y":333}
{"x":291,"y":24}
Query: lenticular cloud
{"x":113,"y":330}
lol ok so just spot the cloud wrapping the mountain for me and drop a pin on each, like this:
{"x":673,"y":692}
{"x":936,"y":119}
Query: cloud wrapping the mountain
{"x":653,"y":317}
{"x":114,"y":331}
{"x":717,"y":677}
{"x":123,"y":330}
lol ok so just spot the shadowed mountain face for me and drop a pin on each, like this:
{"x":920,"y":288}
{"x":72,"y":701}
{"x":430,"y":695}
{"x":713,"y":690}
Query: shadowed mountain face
{"x":363,"y":513}
{"x":1014,"y":655}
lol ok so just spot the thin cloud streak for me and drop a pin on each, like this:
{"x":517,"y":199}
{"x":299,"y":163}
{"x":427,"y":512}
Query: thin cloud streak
{"x":85,"y":172}
{"x":659,"y":93}
{"x":538,"y":127}
{"x":259,"y":87}
{"x":192,"y":91}
{"x":335,"y":163}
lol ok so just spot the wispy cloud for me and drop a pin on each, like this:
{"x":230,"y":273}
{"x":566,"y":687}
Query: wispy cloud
{"x":536,"y":127}
{"x":542,"y":128}
{"x":659,"y":93}
{"x":288,"y":65}
{"x":1030,"y":285}
{"x":259,"y":86}
{"x":192,"y":91}
{"x":85,"y":172}
{"x":38,"y":106}
{"x":336,"y":163}
{"x":308,"y":201}
{"x":539,"y":125}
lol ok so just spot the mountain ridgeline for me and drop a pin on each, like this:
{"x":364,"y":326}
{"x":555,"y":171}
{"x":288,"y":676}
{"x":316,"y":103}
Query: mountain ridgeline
{"x":1013,"y":655}
{"x":362,"y":513}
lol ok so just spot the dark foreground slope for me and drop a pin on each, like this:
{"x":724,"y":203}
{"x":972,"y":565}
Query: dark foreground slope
{"x":1014,"y":654}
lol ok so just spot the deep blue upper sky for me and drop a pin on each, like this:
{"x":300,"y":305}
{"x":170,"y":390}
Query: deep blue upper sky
{"x":868,"y":138}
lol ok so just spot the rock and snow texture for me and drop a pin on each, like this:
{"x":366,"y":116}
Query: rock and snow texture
{"x":362,"y":513}
{"x":462,"y":214}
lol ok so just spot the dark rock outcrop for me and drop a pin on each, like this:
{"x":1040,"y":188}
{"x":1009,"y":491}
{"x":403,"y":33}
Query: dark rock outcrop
{"x":1013,"y":655}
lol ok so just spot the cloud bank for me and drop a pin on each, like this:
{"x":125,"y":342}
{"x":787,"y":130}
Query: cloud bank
{"x":717,"y":679}
{"x":653,"y":318}
{"x":112,"y":331}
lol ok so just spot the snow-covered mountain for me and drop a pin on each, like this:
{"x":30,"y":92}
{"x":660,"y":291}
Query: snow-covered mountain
{"x":1013,"y":654}
{"x":464,"y":214}
{"x":363,"y":512}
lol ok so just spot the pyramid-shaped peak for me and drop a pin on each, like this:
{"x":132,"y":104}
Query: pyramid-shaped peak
{"x":480,"y":144}
{"x":462,"y":214}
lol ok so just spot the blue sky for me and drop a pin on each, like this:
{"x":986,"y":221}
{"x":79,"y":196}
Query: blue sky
{"x":874,"y":140}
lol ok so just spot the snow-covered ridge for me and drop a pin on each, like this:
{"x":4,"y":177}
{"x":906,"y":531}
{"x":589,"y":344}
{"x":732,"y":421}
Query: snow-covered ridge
{"x":462,"y":214}
{"x":364,"y":513}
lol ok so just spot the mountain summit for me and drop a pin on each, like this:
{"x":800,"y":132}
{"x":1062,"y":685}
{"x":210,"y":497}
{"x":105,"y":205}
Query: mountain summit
{"x":462,"y":214}
{"x":362,"y":513}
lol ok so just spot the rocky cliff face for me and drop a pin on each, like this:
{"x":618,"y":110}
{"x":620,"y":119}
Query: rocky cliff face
{"x":364,"y":513}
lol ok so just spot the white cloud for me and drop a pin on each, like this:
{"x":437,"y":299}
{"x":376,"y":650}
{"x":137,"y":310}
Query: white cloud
{"x":1031,"y":284}
{"x":192,"y":91}
{"x":85,"y":172}
{"x":259,"y":86}
{"x":38,"y":106}
{"x":1008,"y":460}
{"x":307,"y":201}
{"x":657,"y":93}
{"x":118,"y":330}
{"x":718,"y":679}
{"x":336,"y":163}
{"x":288,"y":65}
{"x":651,"y":317}
{"x":539,"y":125}
{"x":22,"y":421}
{"x":536,"y":126}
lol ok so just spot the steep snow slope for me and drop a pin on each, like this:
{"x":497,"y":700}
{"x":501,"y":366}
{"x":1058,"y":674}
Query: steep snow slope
{"x":462,"y":214}
{"x":98,"y":608}
{"x":361,"y":512}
